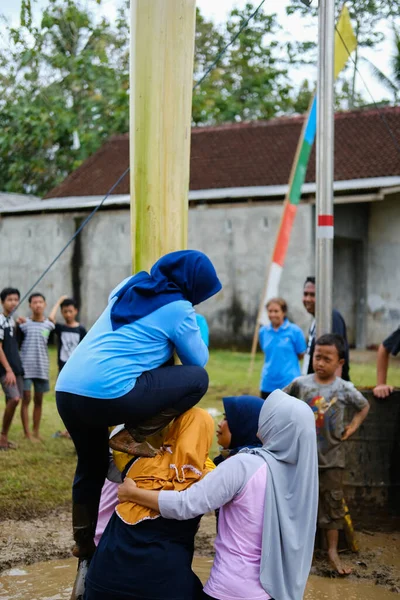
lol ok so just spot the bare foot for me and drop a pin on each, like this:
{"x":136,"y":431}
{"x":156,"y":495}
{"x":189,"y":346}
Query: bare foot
{"x":124,"y":442}
{"x":337,"y":564}
{"x":36,"y":438}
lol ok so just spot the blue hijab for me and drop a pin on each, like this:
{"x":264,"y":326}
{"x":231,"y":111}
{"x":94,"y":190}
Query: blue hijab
{"x":183,"y":275}
{"x":242,"y":414}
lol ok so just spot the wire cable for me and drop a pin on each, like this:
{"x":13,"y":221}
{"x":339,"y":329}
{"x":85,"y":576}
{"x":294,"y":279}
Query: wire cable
{"x":228,"y":45}
{"x":77,"y":232}
{"x":110,"y":191}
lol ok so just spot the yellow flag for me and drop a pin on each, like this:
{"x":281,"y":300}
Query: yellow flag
{"x":345,"y":40}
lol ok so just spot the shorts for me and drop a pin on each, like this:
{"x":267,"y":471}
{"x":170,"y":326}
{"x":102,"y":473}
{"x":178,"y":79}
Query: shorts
{"x":13,"y":392}
{"x":41,"y":386}
{"x":331,"y":506}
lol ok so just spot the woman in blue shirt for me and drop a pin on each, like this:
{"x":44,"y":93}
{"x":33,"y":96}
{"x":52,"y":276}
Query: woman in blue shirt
{"x":117,"y":374}
{"x":283,"y":344}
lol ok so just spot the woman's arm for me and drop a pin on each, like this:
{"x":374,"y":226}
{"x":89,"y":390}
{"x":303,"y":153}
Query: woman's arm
{"x":213,"y":491}
{"x":189,"y":344}
{"x":129,"y":492}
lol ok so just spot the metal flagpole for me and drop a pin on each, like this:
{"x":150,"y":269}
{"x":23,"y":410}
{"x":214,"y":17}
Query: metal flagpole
{"x":324,"y":171}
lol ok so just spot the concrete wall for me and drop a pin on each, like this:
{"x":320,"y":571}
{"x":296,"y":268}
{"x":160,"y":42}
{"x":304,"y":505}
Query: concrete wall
{"x":106,"y":260}
{"x":383,"y":298}
{"x":239,"y":240}
{"x":27,"y":246}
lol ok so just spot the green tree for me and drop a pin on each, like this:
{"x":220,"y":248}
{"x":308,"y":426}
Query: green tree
{"x":392,"y":81}
{"x":250,"y":81}
{"x":209,"y":42}
{"x":61,"y":81}
{"x":303,"y":97}
{"x":368,"y":17}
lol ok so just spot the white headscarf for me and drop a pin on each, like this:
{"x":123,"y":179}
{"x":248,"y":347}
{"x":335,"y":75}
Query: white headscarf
{"x":287,"y":431}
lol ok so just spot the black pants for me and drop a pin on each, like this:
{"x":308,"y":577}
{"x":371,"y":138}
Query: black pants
{"x":87,"y":419}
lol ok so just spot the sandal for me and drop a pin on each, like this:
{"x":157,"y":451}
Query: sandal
{"x":12,"y":446}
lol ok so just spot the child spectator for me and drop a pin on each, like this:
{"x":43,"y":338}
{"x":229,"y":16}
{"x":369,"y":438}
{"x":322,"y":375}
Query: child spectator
{"x":35,"y":361}
{"x":70,"y":333}
{"x":11,"y":371}
{"x":283,"y":344}
{"x":328,"y":396}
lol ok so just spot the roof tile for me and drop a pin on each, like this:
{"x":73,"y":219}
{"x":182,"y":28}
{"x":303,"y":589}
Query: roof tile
{"x":258,"y":153}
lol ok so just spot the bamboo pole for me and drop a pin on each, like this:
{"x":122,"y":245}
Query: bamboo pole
{"x":162,"y":51}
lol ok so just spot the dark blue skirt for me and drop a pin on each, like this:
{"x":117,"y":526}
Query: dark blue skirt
{"x":148,"y":561}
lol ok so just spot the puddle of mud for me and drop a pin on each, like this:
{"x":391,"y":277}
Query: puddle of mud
{"x":53,"y":581}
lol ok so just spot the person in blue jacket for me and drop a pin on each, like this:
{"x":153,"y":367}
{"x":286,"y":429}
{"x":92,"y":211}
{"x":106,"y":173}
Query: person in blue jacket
{"x":283,"y":344}
{"x":117,"y":374}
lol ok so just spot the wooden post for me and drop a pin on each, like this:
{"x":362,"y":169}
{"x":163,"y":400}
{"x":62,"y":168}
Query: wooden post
{"x":162,"y":51}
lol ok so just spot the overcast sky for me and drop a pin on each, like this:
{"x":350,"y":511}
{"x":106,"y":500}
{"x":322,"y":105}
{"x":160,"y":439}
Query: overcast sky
{"x":293,"y":27}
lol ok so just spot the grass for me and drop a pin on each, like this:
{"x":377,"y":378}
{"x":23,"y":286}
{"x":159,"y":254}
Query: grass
{"x":37,"y":477}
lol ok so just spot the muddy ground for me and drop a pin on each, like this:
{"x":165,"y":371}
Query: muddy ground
{"x":26,"y":542}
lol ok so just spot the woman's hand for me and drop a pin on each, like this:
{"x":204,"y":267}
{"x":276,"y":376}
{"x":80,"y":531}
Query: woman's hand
{"x":126,"y":491}
{"x":129,"y":492}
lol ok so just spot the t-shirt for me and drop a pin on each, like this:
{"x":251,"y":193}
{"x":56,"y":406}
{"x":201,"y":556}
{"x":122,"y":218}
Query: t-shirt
{"x":328,"y":403}
{"x":68,"y":339}
{"x":203,"y":326}
{"x":107,"y":362}
{"x":392,"y":343}
{"x":339,"y":327}
{"x":281,"y":348}
{"x":9,"y":342}
{"x":34,"y":354}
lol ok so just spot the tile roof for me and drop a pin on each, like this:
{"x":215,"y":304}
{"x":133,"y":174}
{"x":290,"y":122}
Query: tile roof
{"x":259,"y":153}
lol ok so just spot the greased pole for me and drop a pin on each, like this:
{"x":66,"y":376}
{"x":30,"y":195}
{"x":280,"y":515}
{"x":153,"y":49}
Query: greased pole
{"x":162,"y":53}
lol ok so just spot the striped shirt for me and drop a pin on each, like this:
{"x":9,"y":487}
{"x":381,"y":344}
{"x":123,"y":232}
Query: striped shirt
{"x":34,"y":355}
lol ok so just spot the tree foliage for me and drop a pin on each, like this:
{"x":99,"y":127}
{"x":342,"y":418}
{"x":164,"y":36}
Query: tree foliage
{"x":63,"y":90}
{"x":251,"y":79}
{"x":368,"y":18}
{"x":64,"y":79}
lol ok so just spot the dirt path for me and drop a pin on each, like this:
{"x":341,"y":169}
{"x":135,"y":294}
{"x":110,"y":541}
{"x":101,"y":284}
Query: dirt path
{"x":27,"y":542}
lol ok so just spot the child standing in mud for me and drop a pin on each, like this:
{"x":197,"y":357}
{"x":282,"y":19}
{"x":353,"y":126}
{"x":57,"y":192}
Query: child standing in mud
{"x":328,"y":396}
